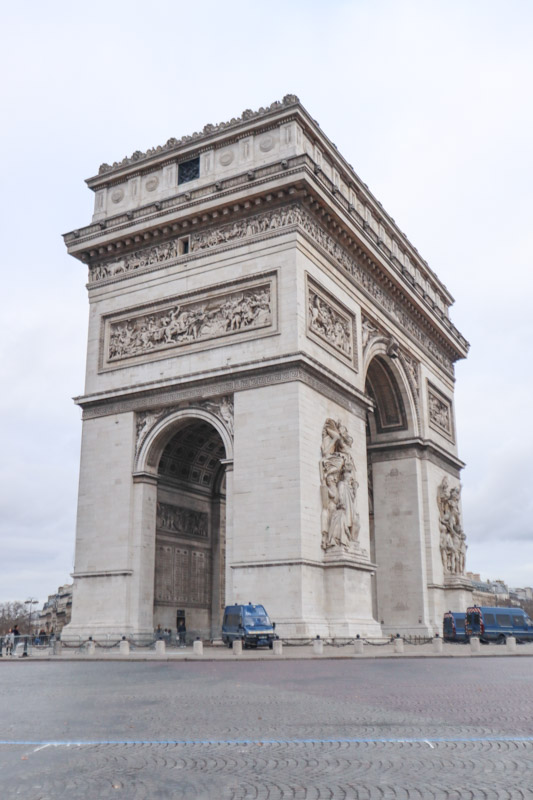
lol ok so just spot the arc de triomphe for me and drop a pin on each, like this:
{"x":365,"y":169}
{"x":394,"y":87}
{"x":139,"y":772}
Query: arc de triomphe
{"x":268,"y":412}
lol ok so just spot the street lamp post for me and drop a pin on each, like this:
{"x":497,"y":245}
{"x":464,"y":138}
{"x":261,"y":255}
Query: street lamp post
{"x":31,"y":601}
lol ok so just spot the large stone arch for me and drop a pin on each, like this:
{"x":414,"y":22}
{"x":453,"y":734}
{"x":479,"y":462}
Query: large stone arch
{"x":402,"y":385}
{"x":185,"y":568}
{"x":395,"y":489}
{"x":287,"y":296}
{"x":166,"y":425}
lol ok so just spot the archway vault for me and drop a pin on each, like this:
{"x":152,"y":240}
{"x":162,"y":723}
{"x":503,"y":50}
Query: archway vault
{"x":152,"y":447}
{"x":186,"y":453}
{"x":390,"y":384}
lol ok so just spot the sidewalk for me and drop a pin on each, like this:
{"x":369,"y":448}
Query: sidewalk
{"x":290,"y":652}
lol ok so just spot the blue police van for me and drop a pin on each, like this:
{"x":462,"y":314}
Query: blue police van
{"x":453,"y":627}
{"x":249,"y":623}
{"x":494,"y":624}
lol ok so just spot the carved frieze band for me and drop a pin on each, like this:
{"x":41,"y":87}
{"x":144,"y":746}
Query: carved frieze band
{"x":168,"y":251}
{"x":440,"y":412}
{"x":330,"y":323}
{"x":267,"y":222}
{"x":181,"y":521}
{"x":218,"y":314}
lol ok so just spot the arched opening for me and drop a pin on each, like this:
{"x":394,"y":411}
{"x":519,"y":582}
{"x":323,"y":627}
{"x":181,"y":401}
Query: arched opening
{"x":392,"y":497}
{"x":190,"y":530}
{"x":382,"y":387}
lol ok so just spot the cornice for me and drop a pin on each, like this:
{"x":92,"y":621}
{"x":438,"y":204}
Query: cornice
{"x":81,"y":243}
{"x":289,"y":368}
{"x":418,"y":447}
{"x":174,"y":146}
{"x":100,"y":240}
{"x":277,"y":113}
{"x":340,"y":562}
{"x":344,"y":227}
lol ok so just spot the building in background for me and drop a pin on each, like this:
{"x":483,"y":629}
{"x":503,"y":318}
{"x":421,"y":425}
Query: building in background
{"x":57,"y":611}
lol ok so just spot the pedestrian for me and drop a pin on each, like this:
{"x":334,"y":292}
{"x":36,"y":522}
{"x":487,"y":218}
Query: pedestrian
{"x":182,"y":633}
{"x":10,"y":642}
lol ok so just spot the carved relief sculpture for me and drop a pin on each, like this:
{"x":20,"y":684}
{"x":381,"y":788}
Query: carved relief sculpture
{"x":327,"y":321}
{"x":269,"y":221}
{"x":167,"y":251}
{"x":412,"y":367}
{"x":369,"y":332}
{"x":452,"y":538}
{"x":223,"y":408}
{"x":340,"y":521}
{"x":145,"y":420}
{"x":181,"y":521}
{"x":440,"y":412}
{"x":190,"y":321}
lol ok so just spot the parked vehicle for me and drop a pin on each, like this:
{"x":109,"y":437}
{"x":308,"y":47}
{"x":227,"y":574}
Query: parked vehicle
{"x":493,"y":624}
{"x":249,"y":623}
{"x":453,"y":627}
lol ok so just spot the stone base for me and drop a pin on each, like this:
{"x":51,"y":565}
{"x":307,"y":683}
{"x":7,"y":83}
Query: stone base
{"x":347,"y":575}
{"x":423,"y":630}
{"x":353,"y":554}
{"x":339,"y":628}
{"x":101,"y":632}
{"x":457,"y":582}
{"x":454,"y":594}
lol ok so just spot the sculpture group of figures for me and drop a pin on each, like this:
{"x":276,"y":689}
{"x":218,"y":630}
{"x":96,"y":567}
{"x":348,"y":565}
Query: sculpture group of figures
{"x":183,"y":324}
{"x":259,"y":223}
{"x":183,"y":521}
{"x":137,"y":260}
{"x":452,"y":538}
{"x":340,"y":521}
{"x":327,"y":323}
{"x":439,"y":412}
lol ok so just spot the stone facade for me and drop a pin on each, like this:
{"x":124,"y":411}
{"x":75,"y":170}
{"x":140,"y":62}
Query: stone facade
{"x":57,"y":611}
{"x":268,"y":410}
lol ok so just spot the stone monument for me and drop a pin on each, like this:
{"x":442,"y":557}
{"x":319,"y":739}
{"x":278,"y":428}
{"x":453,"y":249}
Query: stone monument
{"x":268,"y":410}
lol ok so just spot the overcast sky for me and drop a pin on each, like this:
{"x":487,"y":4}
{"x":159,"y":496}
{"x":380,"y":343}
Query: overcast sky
{"x":430,"y":101}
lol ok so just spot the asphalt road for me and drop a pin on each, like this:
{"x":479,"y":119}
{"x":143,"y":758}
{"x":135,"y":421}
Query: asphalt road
{"x":305,"y":730}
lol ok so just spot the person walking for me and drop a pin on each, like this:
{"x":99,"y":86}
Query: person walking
{"x":182,"y":633}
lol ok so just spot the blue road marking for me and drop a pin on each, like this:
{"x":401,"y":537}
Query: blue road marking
{"x":154,"y":742}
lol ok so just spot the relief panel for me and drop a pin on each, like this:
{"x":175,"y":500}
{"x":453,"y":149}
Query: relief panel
{"x":182,"y":521}
{"x":440,"y":412}
{"x":213,"y":317}
{"x":330,"y":323}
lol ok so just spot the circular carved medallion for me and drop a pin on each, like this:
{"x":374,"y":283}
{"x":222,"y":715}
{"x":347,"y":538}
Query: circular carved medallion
{"x":117,"y":195}
{"x":152,"y":184}
{"x":266,"y":143}
{"x":226,"y":157}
